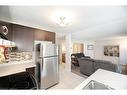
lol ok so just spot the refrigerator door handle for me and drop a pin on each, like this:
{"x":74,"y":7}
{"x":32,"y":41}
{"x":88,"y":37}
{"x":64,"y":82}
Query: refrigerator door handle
{"x":41,"y":50}
{"x":41,"y":65}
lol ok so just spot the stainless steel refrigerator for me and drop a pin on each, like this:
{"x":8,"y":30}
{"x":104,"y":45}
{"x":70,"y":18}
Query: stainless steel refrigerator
{"x":47,"y":61}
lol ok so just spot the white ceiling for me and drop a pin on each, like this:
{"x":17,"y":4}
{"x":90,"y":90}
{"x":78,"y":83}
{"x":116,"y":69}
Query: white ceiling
{"x":86,"y":22}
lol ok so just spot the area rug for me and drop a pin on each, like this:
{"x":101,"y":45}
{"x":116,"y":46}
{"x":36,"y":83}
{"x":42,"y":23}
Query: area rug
{"x":76,"y":70}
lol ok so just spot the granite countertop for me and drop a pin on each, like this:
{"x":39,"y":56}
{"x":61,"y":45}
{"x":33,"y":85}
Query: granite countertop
{"x":16,"y":62}
{"x":15,"y":67}
{"x":112,"y":79}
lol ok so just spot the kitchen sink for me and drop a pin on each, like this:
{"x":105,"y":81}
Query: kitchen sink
{"x":94,"y":85}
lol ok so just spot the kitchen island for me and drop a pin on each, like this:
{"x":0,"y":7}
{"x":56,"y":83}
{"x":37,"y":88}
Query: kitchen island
{"x":114,"y":80}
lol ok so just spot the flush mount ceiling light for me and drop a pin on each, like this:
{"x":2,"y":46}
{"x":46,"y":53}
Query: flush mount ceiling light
{"x":62,"y":21}
{"x":62,"y":17}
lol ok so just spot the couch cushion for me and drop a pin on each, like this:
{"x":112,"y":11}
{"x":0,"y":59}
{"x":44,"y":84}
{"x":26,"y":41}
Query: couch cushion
{"x":77,"y":55}
{"x":86,"y":66}
{"x":107,"y":65}
{"x":85,"y":58}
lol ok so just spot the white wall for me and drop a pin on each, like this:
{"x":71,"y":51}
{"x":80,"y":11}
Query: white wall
{"x":99,"y":50}
{"x":68,"y":52}
{"x":89,"y":52}
{"x":123,"y":52}
{"x":59,"y":40}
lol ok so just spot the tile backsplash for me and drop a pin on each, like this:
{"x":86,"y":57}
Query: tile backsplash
{"x":8,"y":55}
{"x":19,"y":56}
{"x":2,"y":56}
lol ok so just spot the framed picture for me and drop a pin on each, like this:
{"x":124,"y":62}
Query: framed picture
{"x":89,"y":47}
{"x":111,"y":50}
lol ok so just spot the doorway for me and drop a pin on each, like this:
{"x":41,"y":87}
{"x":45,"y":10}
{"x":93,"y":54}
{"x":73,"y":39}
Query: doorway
{"x":78,"y":47}
{"x":77,"y":52}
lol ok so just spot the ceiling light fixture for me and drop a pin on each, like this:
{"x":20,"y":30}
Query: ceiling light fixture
{"x":63,"y":21}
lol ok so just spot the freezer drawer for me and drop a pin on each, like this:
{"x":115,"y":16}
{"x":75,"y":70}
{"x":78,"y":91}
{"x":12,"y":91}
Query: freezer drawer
{"x":49,"y":72}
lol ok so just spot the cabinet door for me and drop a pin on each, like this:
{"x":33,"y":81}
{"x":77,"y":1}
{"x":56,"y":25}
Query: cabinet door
{"x":9,"y":35}
{"x":42,"y":35}
{"x":23,"y":37}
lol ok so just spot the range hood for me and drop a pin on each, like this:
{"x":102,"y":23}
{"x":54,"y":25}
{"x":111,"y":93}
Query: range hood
{"x":3,"y":37}
{"x":5,"y":42}
{"x":3,"y":32}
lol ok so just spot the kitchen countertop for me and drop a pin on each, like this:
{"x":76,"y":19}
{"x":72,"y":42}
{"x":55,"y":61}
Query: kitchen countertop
{"x":15,"y":67}
{"x":112,"y":79}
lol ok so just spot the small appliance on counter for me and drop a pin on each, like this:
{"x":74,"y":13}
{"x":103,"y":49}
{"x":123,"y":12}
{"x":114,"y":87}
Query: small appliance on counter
{"x":7,"y":55}
{"x":47,"y":61}
{"x":3,"y":54}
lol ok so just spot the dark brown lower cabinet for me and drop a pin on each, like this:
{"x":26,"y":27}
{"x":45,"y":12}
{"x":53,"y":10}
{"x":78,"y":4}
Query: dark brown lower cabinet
{"x":31,"y":70}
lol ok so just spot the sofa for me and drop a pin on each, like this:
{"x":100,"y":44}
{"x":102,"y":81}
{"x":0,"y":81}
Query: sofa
{"x":88,"y":66}
{"x":76,"y":56}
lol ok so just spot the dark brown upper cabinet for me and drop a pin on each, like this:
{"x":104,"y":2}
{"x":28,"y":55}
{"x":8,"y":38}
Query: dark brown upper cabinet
{"x":23,"y":37}
{"x":9,"y":35}
{"x":43,"y":35}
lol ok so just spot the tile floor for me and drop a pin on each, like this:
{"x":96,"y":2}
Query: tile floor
{"x":76,"y":70}
{"x":68,"y":80}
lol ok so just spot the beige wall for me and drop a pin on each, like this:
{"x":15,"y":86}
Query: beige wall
{"x":78,"y":47}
